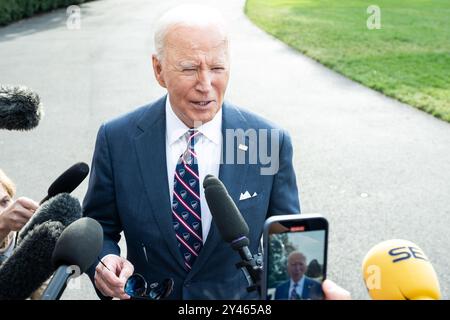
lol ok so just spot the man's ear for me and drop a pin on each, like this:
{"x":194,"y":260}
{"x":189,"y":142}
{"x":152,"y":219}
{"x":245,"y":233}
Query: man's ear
{"x":157,"y":69}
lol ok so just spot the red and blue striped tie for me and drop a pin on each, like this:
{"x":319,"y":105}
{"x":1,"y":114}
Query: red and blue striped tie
{"x":186,"y":209}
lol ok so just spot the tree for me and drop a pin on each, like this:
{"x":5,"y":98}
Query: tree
{"x":279,"y":249}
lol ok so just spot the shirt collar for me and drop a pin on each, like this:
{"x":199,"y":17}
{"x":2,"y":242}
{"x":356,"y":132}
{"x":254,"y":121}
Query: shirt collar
{"x":175,"y":128}
{"x":300,"y":283}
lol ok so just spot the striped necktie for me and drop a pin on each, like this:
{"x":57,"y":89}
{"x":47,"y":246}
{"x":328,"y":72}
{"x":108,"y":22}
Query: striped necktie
{"x":186,"y":209}
{"x":294,"y":294}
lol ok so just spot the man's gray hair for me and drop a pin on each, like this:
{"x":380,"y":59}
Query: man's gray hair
{"x":186,"y":15}
{"x":296,"y":253}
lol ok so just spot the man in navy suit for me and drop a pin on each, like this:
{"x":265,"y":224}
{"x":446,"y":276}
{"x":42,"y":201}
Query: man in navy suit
{"x":149,"y":165}
{"x":299,"y":286}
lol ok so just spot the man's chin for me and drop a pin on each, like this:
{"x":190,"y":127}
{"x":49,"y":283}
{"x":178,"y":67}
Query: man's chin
{"x":203,"y":117}
{"x":199,"y":121}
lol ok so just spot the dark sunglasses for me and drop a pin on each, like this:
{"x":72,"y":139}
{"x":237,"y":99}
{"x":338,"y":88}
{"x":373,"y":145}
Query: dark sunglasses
{"x":138,"y":289}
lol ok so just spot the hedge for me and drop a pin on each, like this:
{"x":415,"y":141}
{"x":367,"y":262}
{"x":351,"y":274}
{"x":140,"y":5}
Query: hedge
{"x":13,"y":10}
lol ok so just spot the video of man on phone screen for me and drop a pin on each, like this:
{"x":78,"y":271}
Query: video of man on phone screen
{"x":296,"y":266}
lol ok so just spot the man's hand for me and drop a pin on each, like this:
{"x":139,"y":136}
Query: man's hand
{"x":15,"y":216}
{"x":334,"y":292}
{"x":111,"y":283}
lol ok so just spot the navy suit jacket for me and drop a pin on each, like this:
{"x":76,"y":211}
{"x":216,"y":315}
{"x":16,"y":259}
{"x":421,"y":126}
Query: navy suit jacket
{"x":128,"y":191}
{"x":311,"y":290}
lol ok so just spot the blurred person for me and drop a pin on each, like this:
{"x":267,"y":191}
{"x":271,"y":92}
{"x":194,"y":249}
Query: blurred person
{"x":14,"y":214}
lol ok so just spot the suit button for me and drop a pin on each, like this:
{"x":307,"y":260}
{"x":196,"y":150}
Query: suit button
{"x":187,"y":284}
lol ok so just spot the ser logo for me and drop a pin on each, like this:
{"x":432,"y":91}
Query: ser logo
{"x":405,"y":253}
{"x":373,"y":280}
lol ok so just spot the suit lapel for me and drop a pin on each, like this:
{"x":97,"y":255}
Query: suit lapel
{"x":151,"y":151}
{"x":287,"y":287}
{"x":232,"y":176}
{"x":305,"y":291}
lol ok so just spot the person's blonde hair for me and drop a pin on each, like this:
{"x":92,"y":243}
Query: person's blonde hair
{"x":7,"y":183}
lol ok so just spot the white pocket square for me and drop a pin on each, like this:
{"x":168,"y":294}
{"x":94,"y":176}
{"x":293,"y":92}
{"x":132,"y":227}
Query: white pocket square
{"x":246,"y":195}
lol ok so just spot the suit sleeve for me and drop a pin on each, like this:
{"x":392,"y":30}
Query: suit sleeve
{"x":99,"y":202}
{"x":284,"y":198}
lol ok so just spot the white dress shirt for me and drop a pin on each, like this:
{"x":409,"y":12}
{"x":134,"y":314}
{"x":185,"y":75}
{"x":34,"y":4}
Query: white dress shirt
{"x":208,"y":149}
{"x":299,"y":288}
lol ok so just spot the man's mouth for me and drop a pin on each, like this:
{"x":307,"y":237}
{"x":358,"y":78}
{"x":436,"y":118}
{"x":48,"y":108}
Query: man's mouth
{"x":202,"y":104}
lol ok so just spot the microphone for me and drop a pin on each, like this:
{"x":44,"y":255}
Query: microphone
{"x":20,"y":108}
{"x":399,"y":270}
{"x":68,"y":181}
{"x":30,"y":264}
{"x":79,"y":245}
{"x":233,"y":229}
{"x":62,"y":208}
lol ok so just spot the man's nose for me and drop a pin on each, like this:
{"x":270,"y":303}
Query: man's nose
{"x":204,"y":81}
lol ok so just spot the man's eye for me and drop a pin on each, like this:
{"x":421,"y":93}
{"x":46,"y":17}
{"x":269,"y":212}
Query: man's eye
{"x":188,"y":69}
{"x":218,"y":68}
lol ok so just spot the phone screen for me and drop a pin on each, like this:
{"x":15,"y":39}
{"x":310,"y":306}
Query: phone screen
{"x":296,"y":259}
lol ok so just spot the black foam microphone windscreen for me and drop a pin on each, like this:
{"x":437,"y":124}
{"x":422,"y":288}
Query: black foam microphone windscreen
{"x":63,"y":208}
{"x":68,"y":181}
{"x":226,"y":215}
{"x":80,"y":244}
{"x":20,"y":108}
{"x":31,"y":264}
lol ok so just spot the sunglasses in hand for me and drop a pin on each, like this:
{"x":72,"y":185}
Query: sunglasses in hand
{"x":138,"y":289}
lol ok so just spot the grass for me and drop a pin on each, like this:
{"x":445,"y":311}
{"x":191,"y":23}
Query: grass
{"x":407,"y":59}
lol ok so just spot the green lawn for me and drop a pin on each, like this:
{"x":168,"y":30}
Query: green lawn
{"x":408,"y":58}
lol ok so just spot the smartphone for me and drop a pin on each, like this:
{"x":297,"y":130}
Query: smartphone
{"x":295,"y":257}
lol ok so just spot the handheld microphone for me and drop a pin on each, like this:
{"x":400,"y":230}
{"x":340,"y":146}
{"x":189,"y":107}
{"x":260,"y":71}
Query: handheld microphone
{"x":62,"y":208}
{"x":79,"y":245}
{"x":399,"y":270}
{"x":30,"y":264}
{"x":20,"y":108}
{"x":233,"y":229}
{"x":68,"y":181}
